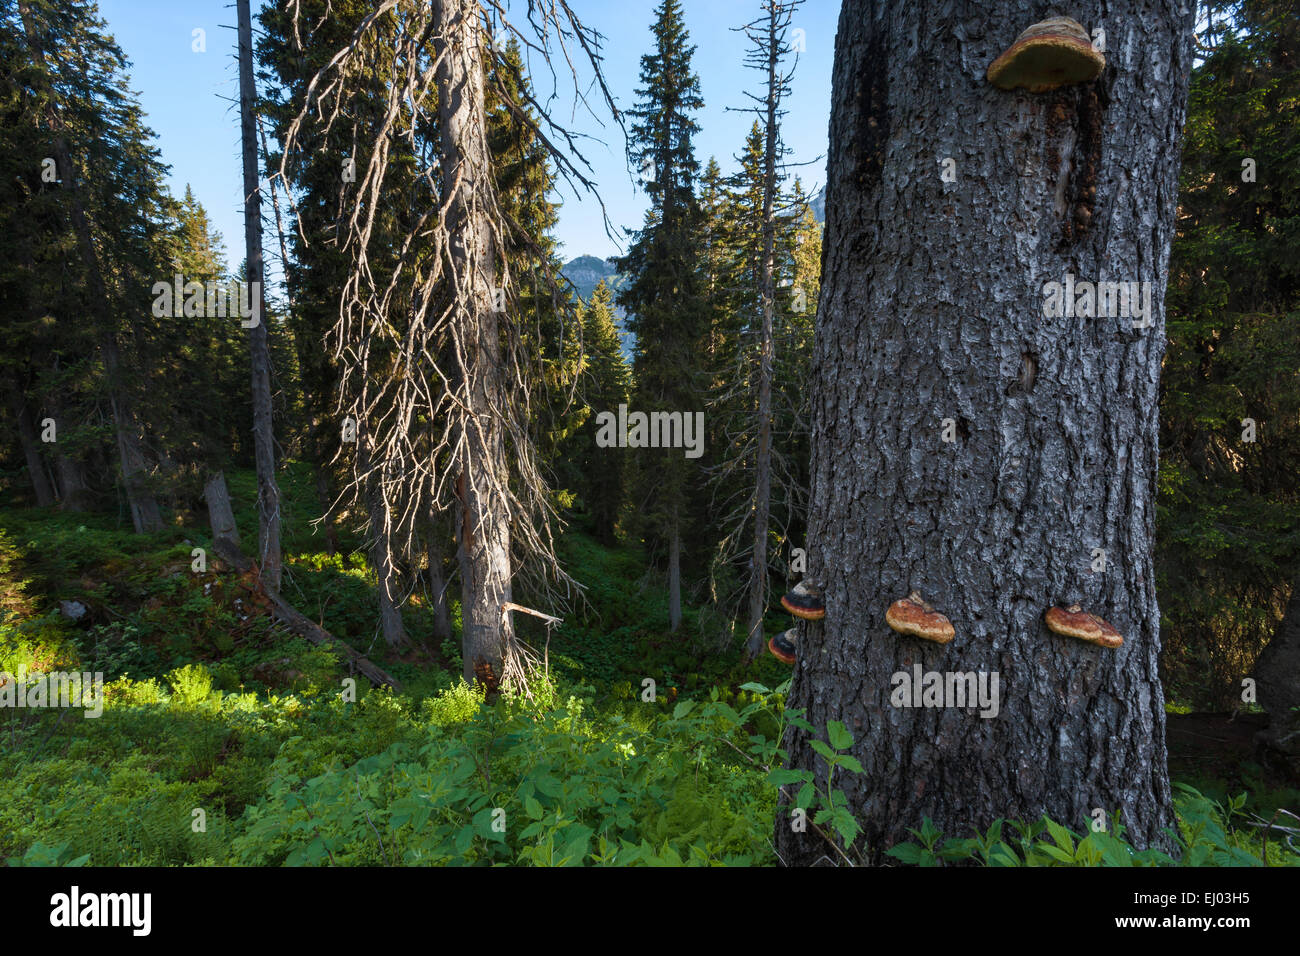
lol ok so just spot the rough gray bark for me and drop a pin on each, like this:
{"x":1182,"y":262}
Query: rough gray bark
{"x":485,"y":564}
{"x":268,"y":492}
{"x":1277,"y":676}
{"x":145,"y":514}
{"x":220,"y":515}
{"x":28,"y":437}
{"x":932,"y":308}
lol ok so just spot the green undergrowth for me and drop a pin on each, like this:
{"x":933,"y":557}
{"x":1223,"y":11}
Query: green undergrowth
{"x":1209,"y":833}
{"x":223,"y":741}
{"x":179,"y":772}
{"x":618,"y":634}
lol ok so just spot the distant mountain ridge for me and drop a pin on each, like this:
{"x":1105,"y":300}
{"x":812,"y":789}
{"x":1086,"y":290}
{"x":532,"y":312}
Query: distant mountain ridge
{"x":586,"y":272}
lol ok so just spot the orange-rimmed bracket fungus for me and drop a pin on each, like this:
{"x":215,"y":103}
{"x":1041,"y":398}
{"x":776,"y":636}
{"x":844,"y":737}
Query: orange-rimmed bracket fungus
{"x":913,"y":616}
{"x":1076,"y":622}
{"x":1050,"y":54}
{"x":784,"y":645}
{"x":805,"y":600}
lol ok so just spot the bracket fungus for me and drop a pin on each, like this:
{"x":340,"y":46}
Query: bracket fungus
{"x":784,"y":645}
{"x":913,"y":616}
{"x":1076,"y":622}
{"x":1052,"y":53}
{"x":805,"y":601}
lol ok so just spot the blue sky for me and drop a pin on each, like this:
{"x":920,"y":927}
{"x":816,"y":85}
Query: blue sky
{"x":187,"y":97}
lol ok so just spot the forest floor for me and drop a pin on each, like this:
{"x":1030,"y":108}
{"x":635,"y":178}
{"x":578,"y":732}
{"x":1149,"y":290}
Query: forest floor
{"x":212,"y":711}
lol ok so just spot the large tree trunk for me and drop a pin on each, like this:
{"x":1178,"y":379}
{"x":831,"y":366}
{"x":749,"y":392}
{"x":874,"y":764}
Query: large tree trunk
{"x":932,"y":308}
{"x":485,"y":565}
{"x":268,"y":492}
{"x":145,"y":514}
{"x":27,"y":435}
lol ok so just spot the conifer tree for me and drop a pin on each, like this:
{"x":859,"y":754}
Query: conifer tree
{"x":327,"y":171}
{"x":663,"y":295}
{"x":1230,"y":391}
{"x":209,"y":353}
{"x":318,"y":176}
{"x":796,"y":317}
{"x":604,"y":384}
{"x":1045,"y":497}
{"x":431,"y":358}
{"x":101,"y":204}
{"x":756,"y":481}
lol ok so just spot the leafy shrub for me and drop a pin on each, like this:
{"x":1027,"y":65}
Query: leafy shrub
{"x":1204,"y":839}
{"x":456,"y":705}
{"x":520,"y":784}
{"x":190,"y":685}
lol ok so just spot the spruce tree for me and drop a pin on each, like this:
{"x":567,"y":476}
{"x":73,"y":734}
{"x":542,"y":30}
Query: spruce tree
{"x":430,"y":356}
{"x":663,"y":295}
{"x":934,"y":307}
{"x":549,"y":322}
{"x":209,"y":353}
{"x":328,"y":168}
{"x":604,"y":384}
{"x":91,"y":221}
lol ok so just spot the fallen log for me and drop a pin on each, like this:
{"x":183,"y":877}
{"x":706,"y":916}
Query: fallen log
{"x":297,"y":622}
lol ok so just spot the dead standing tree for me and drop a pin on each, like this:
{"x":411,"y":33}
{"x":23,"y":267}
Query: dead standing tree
{"x":767,"y":35}
{"x":475,"y":264}
{"x":437,"y":315}
{"x":259,"y":349}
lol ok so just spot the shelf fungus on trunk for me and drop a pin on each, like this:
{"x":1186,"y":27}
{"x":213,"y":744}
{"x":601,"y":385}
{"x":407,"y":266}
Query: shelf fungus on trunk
{"x":913,"y":616}
{"x":784,"y":645}
{"x":806,"y":601}
{"x":1053,"y":53}
{"x":1076,"y":622}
